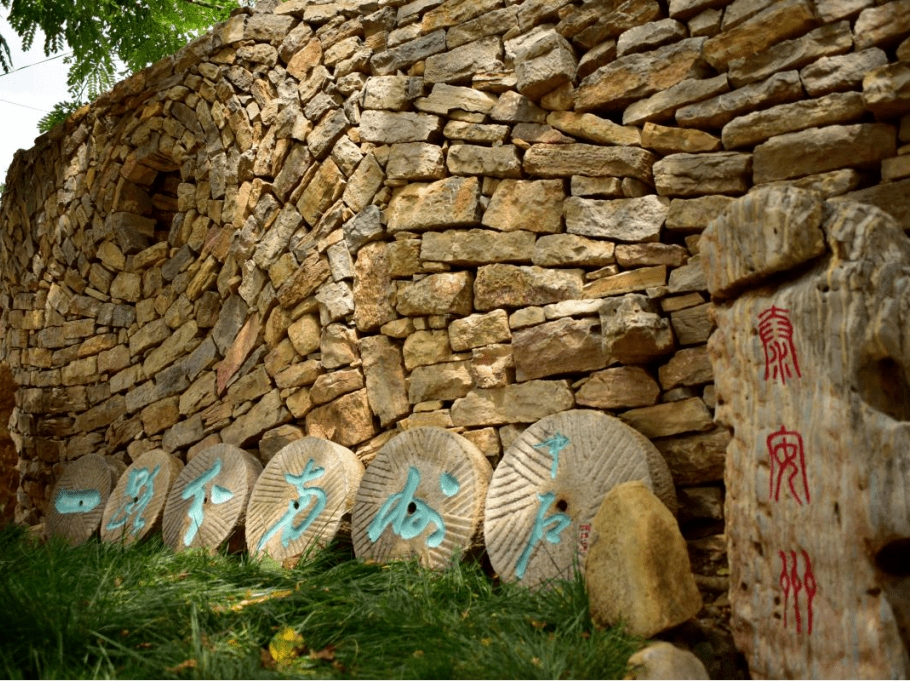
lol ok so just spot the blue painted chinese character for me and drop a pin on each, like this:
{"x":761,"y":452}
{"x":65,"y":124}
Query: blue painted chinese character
{"x":394,"y":511}
{"x":560,"y":521}
{"x":196,"y":489}
{"x":554,"y":445}
{"x":76,"y":501}
{"x":140,"y":488}
{"x":290,"y":532}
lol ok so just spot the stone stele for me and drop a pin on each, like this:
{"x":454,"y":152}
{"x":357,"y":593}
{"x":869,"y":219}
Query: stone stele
{"x":811,"y":370}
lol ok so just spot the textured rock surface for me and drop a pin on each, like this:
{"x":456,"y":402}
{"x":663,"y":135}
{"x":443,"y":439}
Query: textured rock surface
{"x":637,"y":567}
{"x":792,"y":397}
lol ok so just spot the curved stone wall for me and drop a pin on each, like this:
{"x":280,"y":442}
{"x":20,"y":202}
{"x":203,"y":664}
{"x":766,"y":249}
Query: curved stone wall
{"x":347,"y":219}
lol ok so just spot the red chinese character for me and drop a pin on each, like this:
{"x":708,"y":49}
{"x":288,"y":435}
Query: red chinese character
{"x":584,"y":532}
{"x":776,"y":334}
{"x":785,"y":451}
{"x":790,"y":579}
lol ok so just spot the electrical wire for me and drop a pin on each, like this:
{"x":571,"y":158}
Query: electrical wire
{"x":24,"y":106}
{"x":56,"y":56}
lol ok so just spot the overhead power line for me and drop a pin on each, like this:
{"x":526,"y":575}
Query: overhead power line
{"x":24,"y":106}
{"x":56,"y":56}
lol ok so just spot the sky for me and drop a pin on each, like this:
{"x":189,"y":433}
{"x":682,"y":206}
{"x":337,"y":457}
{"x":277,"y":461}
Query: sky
{"x":26,"y":95}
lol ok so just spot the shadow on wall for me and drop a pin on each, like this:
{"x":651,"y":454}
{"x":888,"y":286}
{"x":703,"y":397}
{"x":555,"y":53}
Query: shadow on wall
{"x":9,"y":474}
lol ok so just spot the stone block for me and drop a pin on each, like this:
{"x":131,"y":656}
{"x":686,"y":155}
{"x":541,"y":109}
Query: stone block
{"x":625,"y":282}
{"x":756,"y":127}
{"x":715,"y":112}
{"x":422,"y":348}
{"x":476,"y":330}
{"x":724,"y":172}
{"x":447,"y":381}
{"x":394,"y":127}
{"x":415,"y":161}
{"x":346,"y":420}
{"x":689,"y":366}
{"x":517,"y":403}
{"x":885,"y":25}
{"x":841,"y":72}
{"x":562,"y":250}
{"x":619,"y":388}
{"x":334,"y":384}
{"x":886,"y":90}
{"x":374,"y":295}
{"x":438,"y":294}
{"x":476,"y":247}
{"x":519,"y":286}
{"x":633,"y":332}
{"x":666,"y":140}
{"x":492,"y":366}
{"x":566,"y":160}
{"x":452,"y":202}
{"x":696,"y":458}
{"x":663,"y":105}
{"x":532,"y":205}
{"x":594,"y":128}
{"x":670,"y":418}
{"x":460,"y":64}
{"x":817,"y":150}
{"x":267,"y":413}
{"x":468,"y":159}
{"x":562,"y":346}
{"x":633,"y":220}
{"x":636,"y":76}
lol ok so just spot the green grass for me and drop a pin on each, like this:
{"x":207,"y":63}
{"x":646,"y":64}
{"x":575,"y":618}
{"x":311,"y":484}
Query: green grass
{"x":106,"y":611}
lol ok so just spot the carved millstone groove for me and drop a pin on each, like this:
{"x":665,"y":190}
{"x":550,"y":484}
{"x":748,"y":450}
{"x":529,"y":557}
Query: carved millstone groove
{"x":549,"y":485}
{"x":811,"y":373}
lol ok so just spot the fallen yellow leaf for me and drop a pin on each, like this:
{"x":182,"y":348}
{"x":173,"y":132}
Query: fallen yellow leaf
{"x":286,"y":645}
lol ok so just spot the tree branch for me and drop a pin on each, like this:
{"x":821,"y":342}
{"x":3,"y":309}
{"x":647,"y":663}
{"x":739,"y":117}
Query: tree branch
{"x":203,"y":4}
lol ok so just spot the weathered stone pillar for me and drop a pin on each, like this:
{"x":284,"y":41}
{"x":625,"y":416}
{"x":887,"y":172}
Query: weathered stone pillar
{"x":812,"y":301}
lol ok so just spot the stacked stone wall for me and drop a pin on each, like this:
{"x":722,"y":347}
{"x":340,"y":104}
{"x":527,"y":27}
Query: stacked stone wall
{"x":347,"y":219}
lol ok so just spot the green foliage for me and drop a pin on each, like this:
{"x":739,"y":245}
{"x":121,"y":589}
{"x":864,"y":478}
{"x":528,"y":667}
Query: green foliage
{"x":58,"y":114}
{"x":107,"y":611}
{"x":99,"y":32}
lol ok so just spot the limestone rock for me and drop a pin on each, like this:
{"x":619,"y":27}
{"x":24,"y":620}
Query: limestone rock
{"x":374,"y":299}
{"x":393,"y":93}
{"x":445,"y":293}
{"x":476,"y":330}
{"x":690,"y":366}
{"x":883,"y":25}
{"x":638,"y":279}
{"x":664,"y":660}
{"x":566,"y":160}
{"x":426,"y":347}
{"x":476,"y":246}
{"x":697,"y":174}
{"x":649,"y":36}
{"x":792,"y":54}
{"x":619,"y":388}
{"x":527,"y":205}
{"x":640,"y":75}
{"x":346,"y":420}
{"x":620,"y":219}
{"x":666,"y":140}
{"x":403,"y":55}
{"x":452,"y":202}
{"x":751,"y":129}
{"x":393,"y":127}
{"x":715,"y":112}
{"x":858,"y":362}
{"x":517,"y":403}
{"x":891,"y":197}
{"x":559,"y":347}
{"x":415,"y":161}
{"x":821,"y":149}
{"x":446,"y":381}
{"x":594,"y":128}
{"x":695,"y":214}
{"x":781,"y":20}
{"x":458,"y":65}
{"x":790,"y":235}
{"x":841,"y":72}
{"x":560,"y":250}
{"x":468,"y":159}
{"x":633,"y":332}
{"x":492,"y":366}
{"x":518,"y":286}
{"x":265,"y":414}
{"x":696,"y":458}
{"x":886,"y":90}
{"x":637,"y":567}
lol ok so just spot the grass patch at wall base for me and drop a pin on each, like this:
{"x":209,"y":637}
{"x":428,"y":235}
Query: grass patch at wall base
{"x":143,"y":611}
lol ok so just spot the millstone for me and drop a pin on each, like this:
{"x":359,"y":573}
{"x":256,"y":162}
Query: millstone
{"x":79,"y":497}
{"x":421,"y":496}
{"x":208,"y":500}
{"x":549,"y":485}
{"x":135,"y":506}
{"x":301,"y":497}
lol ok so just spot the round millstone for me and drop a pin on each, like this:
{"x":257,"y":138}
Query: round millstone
{"x":301,"y":496}
{"x":549,"y":485}
{"x":206,"y":505}
{"x":79,"y":497}
{"x":421,"y":496}
{"x":135,"y":506}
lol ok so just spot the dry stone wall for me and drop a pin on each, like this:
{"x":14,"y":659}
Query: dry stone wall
{"x":348,"y":219}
